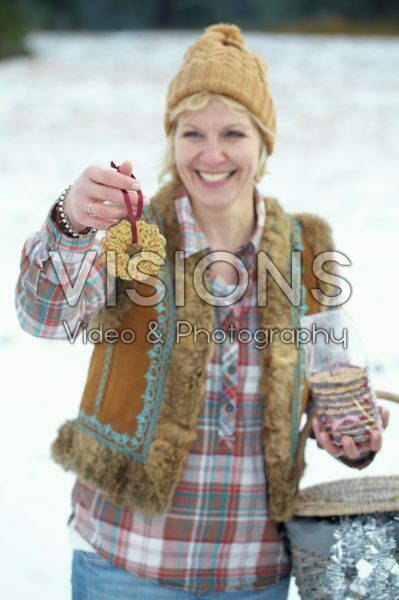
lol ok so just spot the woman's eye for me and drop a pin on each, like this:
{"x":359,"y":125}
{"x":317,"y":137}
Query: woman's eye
{"x":234,"y":133}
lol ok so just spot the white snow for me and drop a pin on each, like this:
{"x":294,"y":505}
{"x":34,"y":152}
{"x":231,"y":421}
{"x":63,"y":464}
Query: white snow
{"x":90,"y":98}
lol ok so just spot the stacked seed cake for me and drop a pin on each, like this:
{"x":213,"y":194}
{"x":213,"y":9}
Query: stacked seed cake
{"x":345,"y":402}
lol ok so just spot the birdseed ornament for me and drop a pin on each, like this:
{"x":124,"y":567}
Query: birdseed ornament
{"x":133,"y":243}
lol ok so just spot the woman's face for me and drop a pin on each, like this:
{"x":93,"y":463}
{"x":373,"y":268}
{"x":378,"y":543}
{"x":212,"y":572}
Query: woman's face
{"x":217,"y":153}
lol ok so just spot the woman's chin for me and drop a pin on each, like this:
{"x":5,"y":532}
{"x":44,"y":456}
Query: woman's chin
{"x":212,"y":200}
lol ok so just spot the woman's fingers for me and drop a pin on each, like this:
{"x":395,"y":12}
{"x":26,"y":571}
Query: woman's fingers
{"x":109,"y":212}
{"x":384,"y":412}
{"x":350,"y":449}
{"x":126,"y":168}
{"x":97,"y":198}
{"x":111,"y":178}
{"x":115,"y":195}
{"x":323,"y":438}
{"x":102,"y":224}
{"x":375,"y":441}
{"x":355,"y":451}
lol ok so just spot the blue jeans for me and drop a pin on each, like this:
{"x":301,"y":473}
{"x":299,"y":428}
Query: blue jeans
{"x":94,"y":578}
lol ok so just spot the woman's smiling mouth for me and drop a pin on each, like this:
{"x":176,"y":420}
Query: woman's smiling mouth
{"x":214,"y":179}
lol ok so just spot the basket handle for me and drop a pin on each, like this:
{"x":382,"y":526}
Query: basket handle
{"x":307,"y":429}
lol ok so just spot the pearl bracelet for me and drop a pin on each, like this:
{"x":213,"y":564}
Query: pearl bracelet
{"x":65,"y":221}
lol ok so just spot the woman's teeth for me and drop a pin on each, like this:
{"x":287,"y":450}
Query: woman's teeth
{"x":214,"y":176}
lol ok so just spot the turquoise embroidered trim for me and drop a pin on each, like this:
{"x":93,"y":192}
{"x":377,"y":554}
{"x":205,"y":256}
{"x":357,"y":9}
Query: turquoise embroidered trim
{"x":299,"y":369}
{"x":156,"y":375}
{"x":104,"y":376}
{"x":105,"y":434}
{"x":157,"y":372}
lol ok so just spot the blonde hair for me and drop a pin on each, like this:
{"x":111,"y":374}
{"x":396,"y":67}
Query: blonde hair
{"x":196,"y":102}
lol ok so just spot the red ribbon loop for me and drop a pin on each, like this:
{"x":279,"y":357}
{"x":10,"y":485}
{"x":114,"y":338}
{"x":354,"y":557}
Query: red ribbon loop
{"x":132,"y":217}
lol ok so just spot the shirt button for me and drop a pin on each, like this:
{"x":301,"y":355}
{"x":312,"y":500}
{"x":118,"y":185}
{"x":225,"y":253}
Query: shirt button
{"x":231,"y":370}
{"x":229,"y":408}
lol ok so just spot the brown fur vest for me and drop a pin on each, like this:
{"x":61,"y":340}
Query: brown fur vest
{"x":137,"y":418}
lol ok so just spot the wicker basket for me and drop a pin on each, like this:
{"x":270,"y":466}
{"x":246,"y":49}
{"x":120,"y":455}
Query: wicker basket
{"x":321,"y":509}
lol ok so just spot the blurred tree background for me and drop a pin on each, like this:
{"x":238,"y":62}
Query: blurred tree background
{"x":18,"y":17}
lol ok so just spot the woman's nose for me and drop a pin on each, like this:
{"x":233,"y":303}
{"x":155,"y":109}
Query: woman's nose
{"x":212,"y":152}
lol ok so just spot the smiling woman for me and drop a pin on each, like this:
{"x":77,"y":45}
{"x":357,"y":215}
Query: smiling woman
{"x":185,"y":453}
{"x":196,"y":102}
{"x":213,"y":148}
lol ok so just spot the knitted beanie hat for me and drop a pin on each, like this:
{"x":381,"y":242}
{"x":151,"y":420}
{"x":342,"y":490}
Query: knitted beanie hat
{"x":218,"y":62}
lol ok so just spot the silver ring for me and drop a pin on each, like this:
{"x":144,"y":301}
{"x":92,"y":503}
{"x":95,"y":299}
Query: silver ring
{"x":90,"y":210}
{"x":339,"y":454}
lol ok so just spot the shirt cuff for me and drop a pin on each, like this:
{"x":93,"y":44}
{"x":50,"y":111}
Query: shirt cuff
{"x":359,"y":463}
{"x":70,"y":248}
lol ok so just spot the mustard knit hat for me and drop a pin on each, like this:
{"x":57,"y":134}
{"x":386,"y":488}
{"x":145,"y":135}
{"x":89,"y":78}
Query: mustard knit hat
{"x":218,"y":62}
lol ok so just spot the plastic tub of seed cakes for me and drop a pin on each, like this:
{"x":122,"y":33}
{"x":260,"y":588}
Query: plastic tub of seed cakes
{"x":338,"y":376}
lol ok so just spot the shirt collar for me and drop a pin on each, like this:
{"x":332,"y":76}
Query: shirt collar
{"x":193,"y":238}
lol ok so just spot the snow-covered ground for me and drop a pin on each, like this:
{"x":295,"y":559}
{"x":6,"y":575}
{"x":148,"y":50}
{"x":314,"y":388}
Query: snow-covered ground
{"x":89,"y":98}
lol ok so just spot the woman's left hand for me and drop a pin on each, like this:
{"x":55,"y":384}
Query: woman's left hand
{"x":350,"y":450}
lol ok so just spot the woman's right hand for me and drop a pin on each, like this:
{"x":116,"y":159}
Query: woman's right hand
{"x":100,"y":190}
